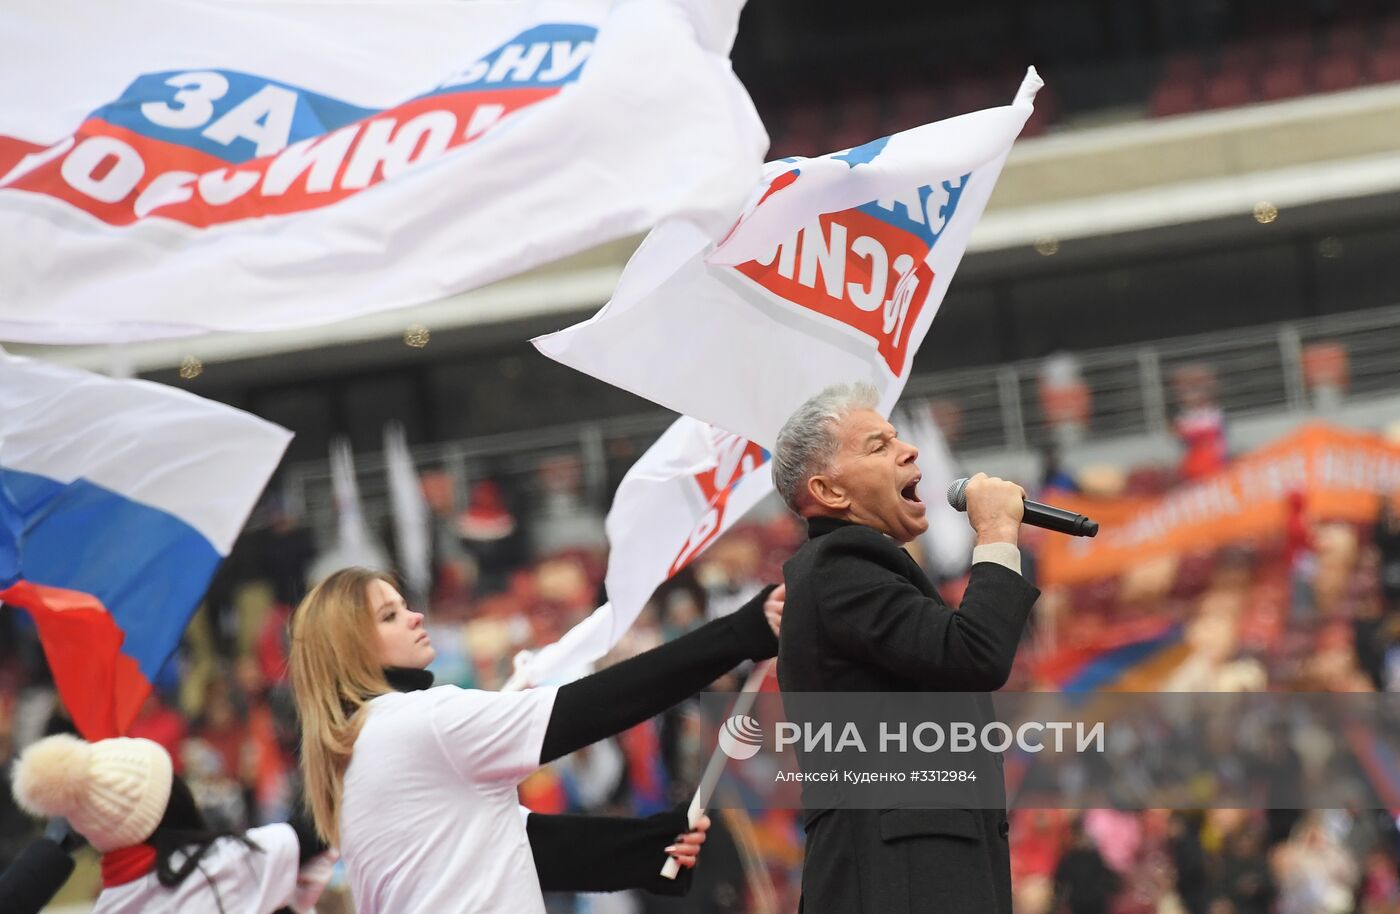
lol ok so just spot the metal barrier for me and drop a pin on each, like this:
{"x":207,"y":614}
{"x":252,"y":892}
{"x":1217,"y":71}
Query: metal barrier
{"x":1257,"y":370}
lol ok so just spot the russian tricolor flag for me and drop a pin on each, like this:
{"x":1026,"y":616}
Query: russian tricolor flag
{"x":118,"y":500}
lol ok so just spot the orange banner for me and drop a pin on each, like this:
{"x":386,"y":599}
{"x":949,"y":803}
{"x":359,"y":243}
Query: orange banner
{"x":1342,"y":472}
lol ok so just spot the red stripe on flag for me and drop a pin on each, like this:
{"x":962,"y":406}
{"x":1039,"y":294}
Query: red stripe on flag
{"x":102,"y":688}
{"x":12,"y":150}
{"x":247,"y":196}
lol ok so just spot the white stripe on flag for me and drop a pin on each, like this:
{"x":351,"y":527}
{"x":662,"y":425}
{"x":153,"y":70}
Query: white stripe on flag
{"x":167,"y":448}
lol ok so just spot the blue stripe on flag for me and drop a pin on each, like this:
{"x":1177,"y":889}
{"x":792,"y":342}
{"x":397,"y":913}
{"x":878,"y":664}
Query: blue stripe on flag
{"x":314,"y":114}
{"x":194,"y":100}
{"x":1107,"y":668}
{"x":149,"y":568}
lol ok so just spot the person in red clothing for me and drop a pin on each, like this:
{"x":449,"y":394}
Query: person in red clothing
{"x":161,"y":725}
{"x":1300,"y":555}
{"x":1201,"y":425}
{"x":1201,"y":429}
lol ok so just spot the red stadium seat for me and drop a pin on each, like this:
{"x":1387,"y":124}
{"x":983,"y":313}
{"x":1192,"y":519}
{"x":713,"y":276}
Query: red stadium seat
{"x":804,"y":131}
{"x":1385,"y":65}
{"x":1284,"y":80}
{"x":974,"y":95}
{"x":1229,"y":89}
{"x":1037,"y":123}
{"x":916,"y":106}
{"x":1335,"y":73}
{"x":1185,"y":66}
{"x":1242,"y":56}
{"x":808,"y":116}
{"x":1171,"y":98}
{"x":857,"y":122}
{"x":1348,"y":40}
{"x":800,"y":143}
{"x":1390,"y":32}
{"x":1293,"y":48}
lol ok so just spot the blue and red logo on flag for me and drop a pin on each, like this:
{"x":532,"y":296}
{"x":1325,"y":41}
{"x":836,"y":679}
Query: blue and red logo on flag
{"x":737,"y":458}
{"x":205,"y":147}
{"x":866,"y":267}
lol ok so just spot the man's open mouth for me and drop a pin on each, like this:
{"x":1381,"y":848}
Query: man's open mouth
{"x":910,"y":492}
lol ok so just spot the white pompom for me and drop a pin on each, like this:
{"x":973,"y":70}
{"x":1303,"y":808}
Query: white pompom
{"x":51,"y":776}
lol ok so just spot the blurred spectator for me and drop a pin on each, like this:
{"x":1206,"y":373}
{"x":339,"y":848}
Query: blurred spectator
{"x":1380,"y":887}
{"x":1387,"y":540}
{"x":1200,"y":426}
{"x":1315,"y":874}
{"x":1325,"y":371}
{"x":451,"y":572}
{"x":491,"y":537}
{"x":1245,"y":880}
{"x":563,"y":520}
{"x":1189,"y":862}
{"x":1084,"y":883}
{"x":288,"y":552}
{"x":1284,"y":788}
{"x":273,"y":642}
{"x":158,"y":722}
{"x":222,"y":725}
{"x":729,"y":571}
{"x":1064,"y":397}
{"x":1300,"y":555}
{"x":16,"y":828}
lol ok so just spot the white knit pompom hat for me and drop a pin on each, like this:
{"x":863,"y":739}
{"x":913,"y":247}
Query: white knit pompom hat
{"x":113,"y":792}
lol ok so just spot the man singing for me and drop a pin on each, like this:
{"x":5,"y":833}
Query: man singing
{"x":861,"y":616}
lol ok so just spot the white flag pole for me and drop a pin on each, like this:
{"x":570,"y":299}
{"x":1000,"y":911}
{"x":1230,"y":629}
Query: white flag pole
{"x":742,"y":705}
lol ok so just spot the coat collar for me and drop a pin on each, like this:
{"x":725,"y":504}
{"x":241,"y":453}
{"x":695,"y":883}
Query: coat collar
{"x":402,"y":679}
{"x":821,"y":526}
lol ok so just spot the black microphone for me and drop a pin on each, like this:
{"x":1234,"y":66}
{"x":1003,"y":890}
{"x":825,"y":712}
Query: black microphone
{"x":1037,"y":515}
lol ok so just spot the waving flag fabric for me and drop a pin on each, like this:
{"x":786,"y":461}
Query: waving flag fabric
{"x":118,"y":499}
{"x":412,"y":519}
{"x":691,"y":486}
{"x":833,"y":273}
{"x":173,"y":167}
{"x":1135,"y":657}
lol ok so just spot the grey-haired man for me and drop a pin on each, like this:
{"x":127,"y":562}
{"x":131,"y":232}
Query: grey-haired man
{"x":861,"y":616}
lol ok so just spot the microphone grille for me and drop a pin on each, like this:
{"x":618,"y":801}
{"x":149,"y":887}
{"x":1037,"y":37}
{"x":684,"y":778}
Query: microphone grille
{"x":957,"y":494}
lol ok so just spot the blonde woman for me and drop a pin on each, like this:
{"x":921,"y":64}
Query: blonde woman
{"x":416,"y":786}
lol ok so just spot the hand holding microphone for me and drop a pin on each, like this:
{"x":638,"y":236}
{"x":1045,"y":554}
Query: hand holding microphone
{"x":989,"y":507}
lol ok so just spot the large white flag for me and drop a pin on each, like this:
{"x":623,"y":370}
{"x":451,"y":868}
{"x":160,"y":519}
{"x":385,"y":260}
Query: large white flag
{"x":171,"y":167}
{"x":834,"y":273}
{"x":691,"y":486}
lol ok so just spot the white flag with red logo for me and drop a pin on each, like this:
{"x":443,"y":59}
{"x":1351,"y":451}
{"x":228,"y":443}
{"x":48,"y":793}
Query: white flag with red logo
{"x":833,"y":273}
{"x":689,"y":487}
{"x":170,"y":167}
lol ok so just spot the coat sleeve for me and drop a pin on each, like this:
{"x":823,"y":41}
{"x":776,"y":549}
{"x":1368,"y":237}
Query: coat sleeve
{"x":605,"y":854}
{"x":627,"y":693}
{"x":35,"y":877}
{"x":878,"y":616}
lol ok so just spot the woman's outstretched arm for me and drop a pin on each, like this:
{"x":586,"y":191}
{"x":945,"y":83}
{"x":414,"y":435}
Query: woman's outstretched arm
{"x":606,"y":854}
{"x":634,"y":690}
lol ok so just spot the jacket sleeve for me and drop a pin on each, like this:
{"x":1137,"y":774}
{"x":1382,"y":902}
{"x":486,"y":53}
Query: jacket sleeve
{"x":605,"y":854}
{"x":35,"y":876}
{"x":878,"y":616}
{"x":624,"y":695}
